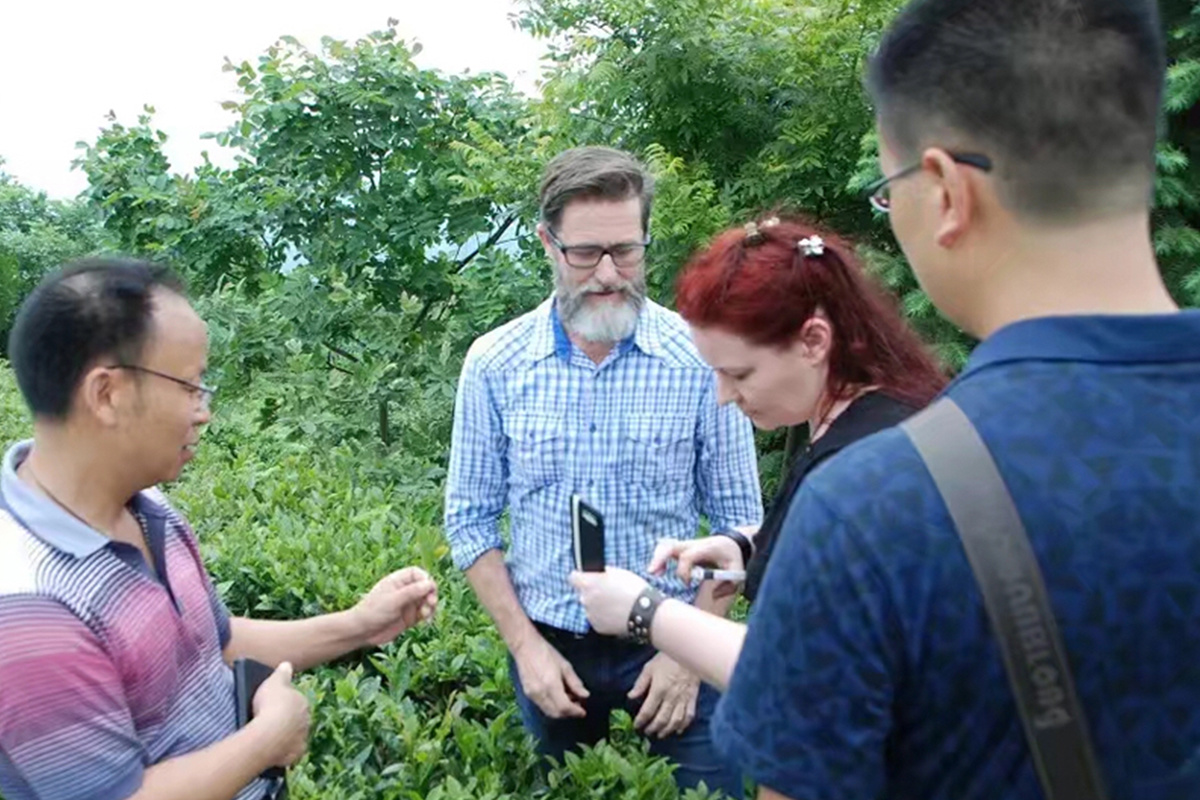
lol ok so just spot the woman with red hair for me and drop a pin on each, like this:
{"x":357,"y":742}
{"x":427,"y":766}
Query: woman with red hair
{"x":797,"y":333}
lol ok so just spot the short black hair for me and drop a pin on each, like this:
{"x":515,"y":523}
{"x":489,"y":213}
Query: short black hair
{"x":84,"y":311}
{"x":1063,"y":95}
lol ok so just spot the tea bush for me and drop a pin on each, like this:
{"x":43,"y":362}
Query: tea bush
{"x":290,"y":529}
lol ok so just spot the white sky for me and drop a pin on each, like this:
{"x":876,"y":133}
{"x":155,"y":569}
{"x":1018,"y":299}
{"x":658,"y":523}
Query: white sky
{"x":65,"y":63}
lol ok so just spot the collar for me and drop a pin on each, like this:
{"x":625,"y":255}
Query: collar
{"x":1100,"y":339}
{"x":866,"y":415}
{"x":550,"y":336}
{"x":49,"y":522}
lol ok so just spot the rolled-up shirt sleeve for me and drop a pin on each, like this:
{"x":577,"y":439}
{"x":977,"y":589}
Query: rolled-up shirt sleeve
{"x":476,"y":485}
{"x":66,"y":731}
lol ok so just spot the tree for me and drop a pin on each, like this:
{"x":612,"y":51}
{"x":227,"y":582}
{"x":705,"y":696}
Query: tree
{"x":1177,"y":212}
{"x":36,"y":235}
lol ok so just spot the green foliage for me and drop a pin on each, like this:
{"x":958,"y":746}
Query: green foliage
{"x":1177,"y":213}
{"x":755,"y":104}
{"x":292,"y":528}
{"x":353,"y":150}
{"x":36,"y":235}
{"x":14,"y":418}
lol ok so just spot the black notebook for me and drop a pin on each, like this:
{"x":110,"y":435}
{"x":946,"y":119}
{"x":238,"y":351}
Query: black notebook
{"x":248,"y":675}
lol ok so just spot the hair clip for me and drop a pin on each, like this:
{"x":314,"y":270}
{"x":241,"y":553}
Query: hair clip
{"x":753,"y":234}
{"x":812,"y":246}
{"x":754,"y":230}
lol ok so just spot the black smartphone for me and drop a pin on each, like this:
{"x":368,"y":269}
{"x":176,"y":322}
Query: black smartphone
{"x":248,"y":675}
{"x":587,"y":526}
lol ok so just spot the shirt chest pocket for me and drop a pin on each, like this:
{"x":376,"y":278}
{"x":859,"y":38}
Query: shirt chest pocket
{"x":658,"y":450}
{"x":537,"y":449}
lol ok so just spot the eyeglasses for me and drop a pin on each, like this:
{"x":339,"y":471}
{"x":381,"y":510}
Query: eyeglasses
{"x":587,"y":256}
{"x":879,"y":194}
{"x":200,"y":393}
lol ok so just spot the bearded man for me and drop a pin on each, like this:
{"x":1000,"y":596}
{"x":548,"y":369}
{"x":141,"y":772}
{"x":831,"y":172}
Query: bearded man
{"x":597,"y":392}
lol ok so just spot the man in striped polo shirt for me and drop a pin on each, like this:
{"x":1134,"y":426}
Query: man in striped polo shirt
{"x":114,"y":647}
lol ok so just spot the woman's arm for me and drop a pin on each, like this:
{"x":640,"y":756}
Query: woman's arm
{"x":706,"y":644}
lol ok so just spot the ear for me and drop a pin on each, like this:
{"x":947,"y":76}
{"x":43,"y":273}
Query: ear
{"x":102,"y":393}
{"x":956,"y":204}
{"x":815,"y":339}
{"x":547,"y":245}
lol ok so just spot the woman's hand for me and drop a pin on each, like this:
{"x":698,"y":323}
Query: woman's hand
{"x":608,"y":597}
{"x":719,"y":552}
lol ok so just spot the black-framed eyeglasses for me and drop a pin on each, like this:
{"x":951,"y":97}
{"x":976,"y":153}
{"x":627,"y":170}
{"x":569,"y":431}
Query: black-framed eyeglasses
{"x":587,"y":256}
{"x":200,"y":393}
{"x":879,"y":194}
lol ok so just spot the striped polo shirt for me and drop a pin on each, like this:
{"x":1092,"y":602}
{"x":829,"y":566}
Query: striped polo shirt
{"x":107,"y":664}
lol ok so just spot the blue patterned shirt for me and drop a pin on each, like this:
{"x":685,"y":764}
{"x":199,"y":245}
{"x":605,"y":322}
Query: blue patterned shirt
{"x":640,"y":437}
{"x":870,"y":670}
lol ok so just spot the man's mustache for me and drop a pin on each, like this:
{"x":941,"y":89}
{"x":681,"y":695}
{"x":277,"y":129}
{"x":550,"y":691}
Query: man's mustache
{"x":624,"y":288}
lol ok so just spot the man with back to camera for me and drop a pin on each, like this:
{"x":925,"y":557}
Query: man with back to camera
{"x":1018,"y":143}
{"x":598,"y":391}
{"x":114,"y":680}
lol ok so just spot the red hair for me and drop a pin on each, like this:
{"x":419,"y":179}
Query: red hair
{"x":763,"y":289}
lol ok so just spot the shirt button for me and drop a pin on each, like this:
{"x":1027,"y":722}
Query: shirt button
{"x":592,"y":427}
{"x":591,"y":482}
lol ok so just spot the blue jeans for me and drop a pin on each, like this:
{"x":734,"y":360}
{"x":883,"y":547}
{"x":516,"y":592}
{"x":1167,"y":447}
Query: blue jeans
{"x":608,"y":668}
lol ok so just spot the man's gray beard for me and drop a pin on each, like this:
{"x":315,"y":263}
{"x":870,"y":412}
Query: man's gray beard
{"x":606,"y":323}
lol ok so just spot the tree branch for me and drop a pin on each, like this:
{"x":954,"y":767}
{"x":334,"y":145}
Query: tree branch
{"x":329,"y":363}
{"x":426,"y":307}
{"x":343,"y":353}
{"x":491,"y":241}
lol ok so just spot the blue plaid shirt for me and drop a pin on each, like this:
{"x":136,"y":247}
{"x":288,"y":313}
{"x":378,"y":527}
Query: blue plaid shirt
{"x":640,"y":437}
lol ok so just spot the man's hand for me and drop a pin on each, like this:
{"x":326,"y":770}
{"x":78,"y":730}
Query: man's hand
{"x":670,"y":697}
{"x":549,"y":680}
{"x":608,"y":597}
{"x":395,"y":604}
{"x":719,"y":552}
{"x":283,"y":711}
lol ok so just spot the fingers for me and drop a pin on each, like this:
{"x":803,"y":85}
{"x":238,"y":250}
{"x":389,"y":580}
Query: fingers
{"x":666,"y":550}
{"x":408,"y":575}
{"x":687,"y":555}
{"x":407,"y":601}
{"x":283,"y":673}
{"x":670,"y":713}
{"x":556,"y":702}
{"x":690,"y":557}
{"x":572,"y":682}
{"x":650,"y":708}
{"x":676,"y":711}
{"x":640,"y":686}
{"x":572,"y":707}
{"x":429,"y":607}
{"x":680,"y":719}
{"x":689,"y":715}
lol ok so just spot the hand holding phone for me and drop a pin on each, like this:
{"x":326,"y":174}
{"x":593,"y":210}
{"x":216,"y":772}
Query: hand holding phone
{"x":587,"y":528}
